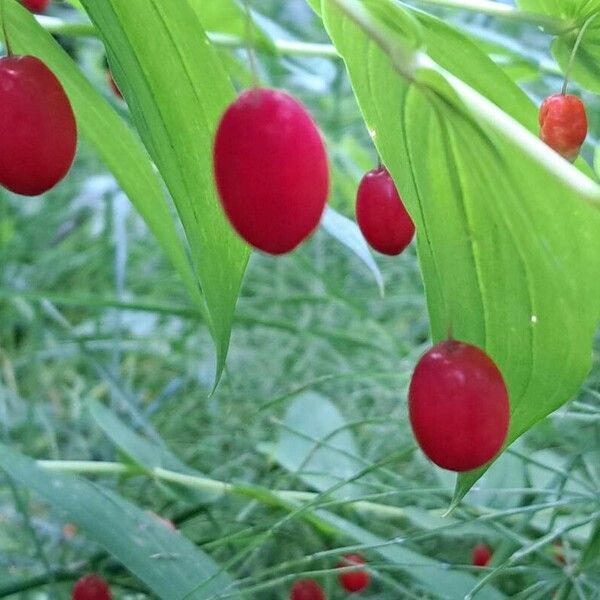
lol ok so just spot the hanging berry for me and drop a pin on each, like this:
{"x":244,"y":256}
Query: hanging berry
{"x":38,"y":133}
{"x":271,"y":170}
{"x":481,"y":556}
{"x":113,"y":85}
{"x":564,"y":124}
{"x":91,"y":587}
{"x":36,"y":6}
{"x":307,"y":589}
{"x":381,"y":215}
{"x":353,"y":581}
{"x":458,"y":405}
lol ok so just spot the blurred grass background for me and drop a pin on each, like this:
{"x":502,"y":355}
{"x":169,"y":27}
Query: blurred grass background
{"x":91,"y":310}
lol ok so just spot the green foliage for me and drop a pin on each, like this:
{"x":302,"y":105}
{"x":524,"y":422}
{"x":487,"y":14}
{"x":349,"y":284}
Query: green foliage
{"x":304,"y":452}
{"x":164,"y":78}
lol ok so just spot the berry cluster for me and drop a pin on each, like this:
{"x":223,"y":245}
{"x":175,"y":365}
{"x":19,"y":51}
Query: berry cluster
{"x":352,"y":581}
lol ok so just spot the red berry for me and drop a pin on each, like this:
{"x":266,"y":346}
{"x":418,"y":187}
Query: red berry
{"x":36,"y":5}
{"x":458,"y":406}
{"x":113,"y":85}
{"x":481,"y":555}
{"x":91,"y":587}
{"x":564,"y":124}
{"x":559,"y":552}
{"x":38,"y":133}
{"x":271,"y":170}
{"x":353,"y":581}
{"x":307,"y":589}
{"x":381,"y":215}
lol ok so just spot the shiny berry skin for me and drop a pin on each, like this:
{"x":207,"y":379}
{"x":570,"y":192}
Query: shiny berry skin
{"x":381,"y":215}
{"x":564,"y":124}
{"x":113,"y":85}
{"x":36,"y":5}
{"x":91,"y":587}
{"x":353,"y":581}
{"x":481,"y":556}
{"x":458,"y":406}
{"x":38,"y":133}
{"x":307,"y":589}
{"x":271,"y":170}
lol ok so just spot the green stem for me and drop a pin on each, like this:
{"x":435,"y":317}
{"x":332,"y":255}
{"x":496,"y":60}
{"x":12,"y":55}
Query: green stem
{"x":59,"y":27}
{"x":510,"y":13}
{"x":206,"y":484}
{"x":578,"y":41}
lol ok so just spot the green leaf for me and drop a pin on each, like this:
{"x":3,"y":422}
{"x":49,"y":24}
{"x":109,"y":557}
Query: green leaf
{"x":346,"y":231}
{"x":227,"y":16}
{"x":508,"y":232}
{"x":148,"y":455}
{"x":584,"y":14}
{"x":316,"y":445}
{"x":177,"y":90}
{"x":115,"y":143}
{"x":166,"y":561}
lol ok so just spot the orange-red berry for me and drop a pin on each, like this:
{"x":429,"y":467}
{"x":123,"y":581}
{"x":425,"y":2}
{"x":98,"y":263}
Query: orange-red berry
{"x":36,"y":5}
{"x":564,"y":124}
{"x":91,"y":587}
{"x":458,"y":406}
{"x":38,"y":133}
{"x":271,"y":170}
{"x":307,"y":589}
{"x":482,"y":555}
{"x":381,"y":215}
{"x":353,"y":581}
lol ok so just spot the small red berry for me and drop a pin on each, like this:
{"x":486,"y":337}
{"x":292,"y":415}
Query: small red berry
{"x":458,"y":405}
{"x":91,"y":587}
{"x":353,"y":581}
{"x":307,"y":589}
{"x":481,"y":556}
{"x":381,"y":214}
{"x":38,"y":133}
{"x":271,"y":170}
{"x":113,"y":85}
{"x":559,"y":552}
{"x":564,"y":124}
{"x":36,"y":5}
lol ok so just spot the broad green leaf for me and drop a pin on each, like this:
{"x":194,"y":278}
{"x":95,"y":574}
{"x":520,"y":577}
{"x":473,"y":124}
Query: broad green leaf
{"x":165,"y":560}
{"x":148,"y":455}
{"x":316,"y":445}
{"x":508,"y":239}
{"x":177,"y":90}
{"x":115,"y":143}
{"x":585,"y":18}
{"x":346,"y":231}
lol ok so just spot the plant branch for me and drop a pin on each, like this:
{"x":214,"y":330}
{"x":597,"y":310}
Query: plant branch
{"x":504,"y":11}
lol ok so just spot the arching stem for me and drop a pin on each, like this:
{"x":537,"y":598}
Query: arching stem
{"x":250,"y":45}
{"x":578,"y":41}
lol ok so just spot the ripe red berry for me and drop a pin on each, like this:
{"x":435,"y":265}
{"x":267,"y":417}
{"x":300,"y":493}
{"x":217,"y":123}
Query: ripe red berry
{"x":36,"y":5}
{"x":458,"y":405}
{"x":113,"y":85}
{"x":564,"y":124}
{"x":353,"y":581}
{"x":91,"y":587}
{"x":271,"y":170}
{"x":481,"y":556}
{"x":307,"y":589}
{"x":38,"y":133}
{"x":381,"y":215}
